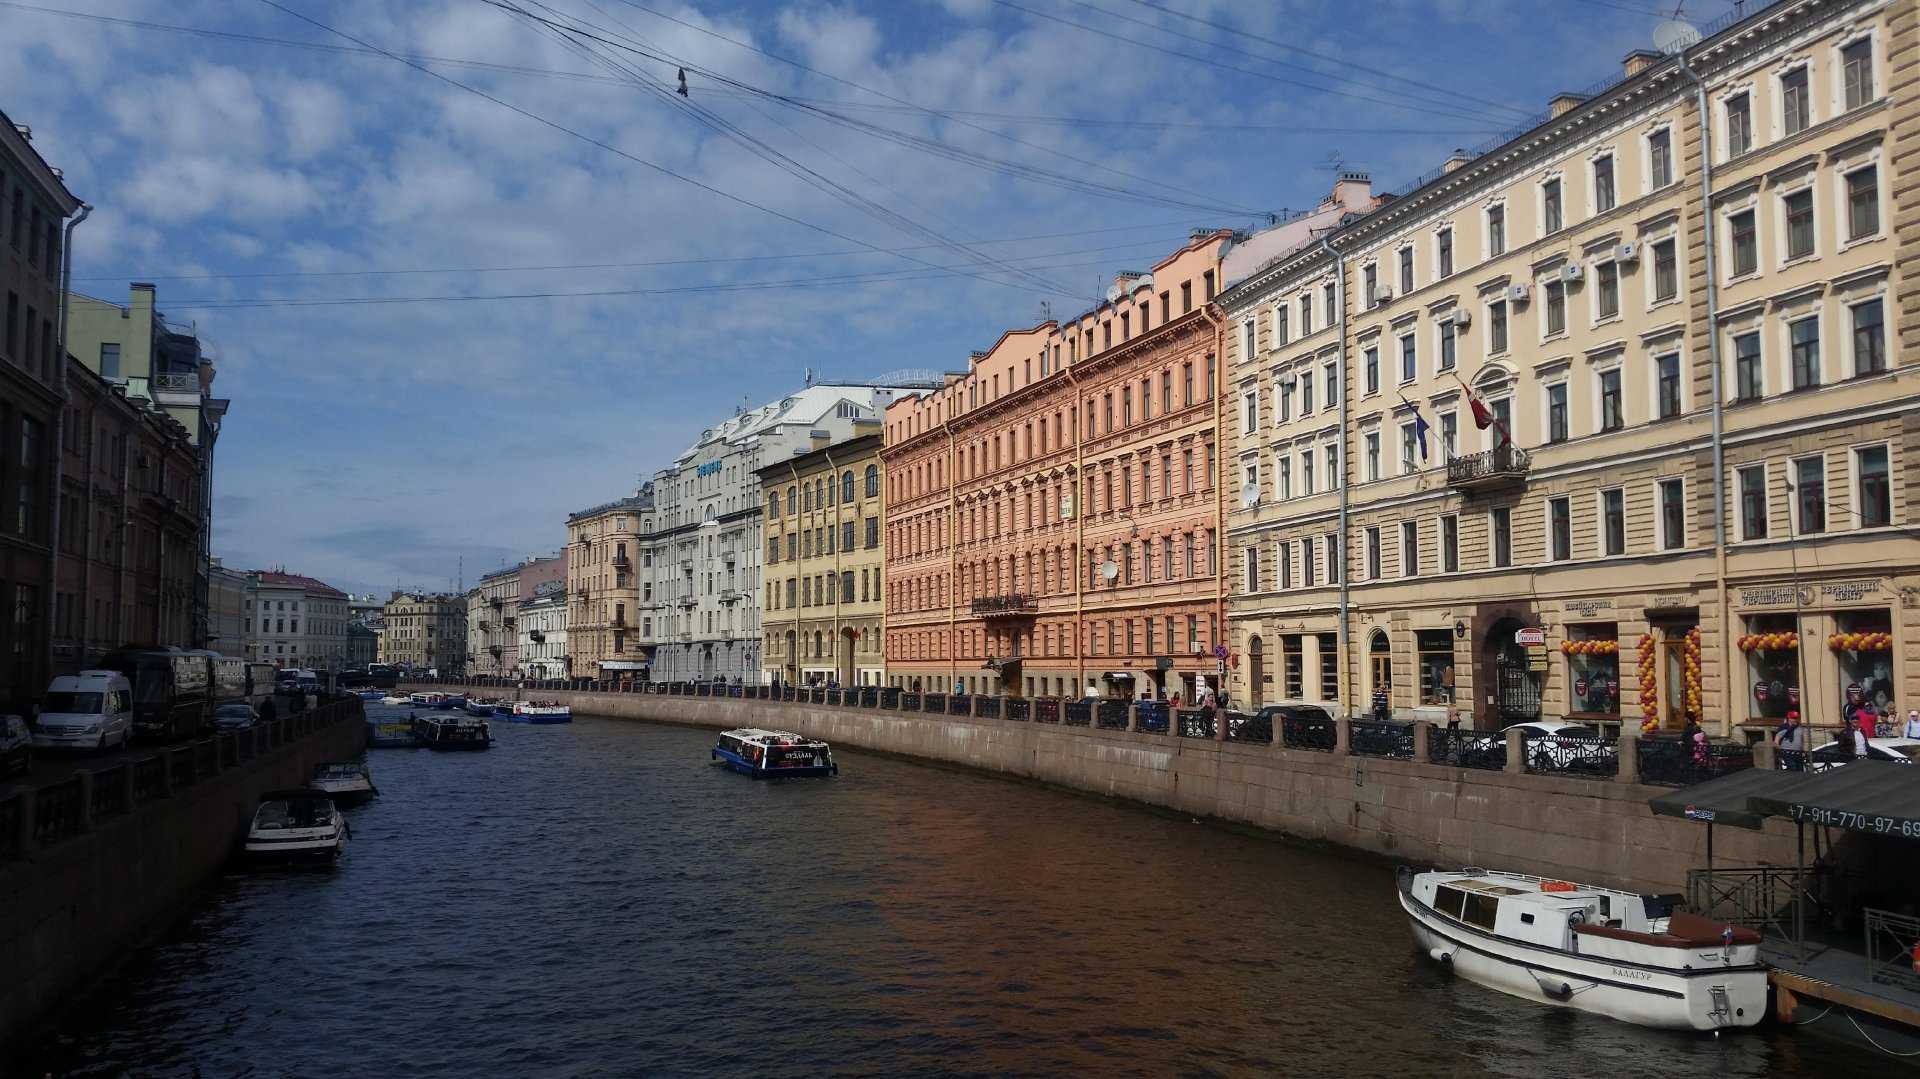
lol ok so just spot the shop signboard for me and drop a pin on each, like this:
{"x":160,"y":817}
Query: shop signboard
{"x":1530,"y":637}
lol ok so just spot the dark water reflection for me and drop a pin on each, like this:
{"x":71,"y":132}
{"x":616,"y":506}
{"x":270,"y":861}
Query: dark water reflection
{"x":594,"y":899}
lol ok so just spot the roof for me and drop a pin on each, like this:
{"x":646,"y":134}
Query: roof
{"x":294,"y":580}
{"x":806,"y":407}
{"x":1878,"y":797}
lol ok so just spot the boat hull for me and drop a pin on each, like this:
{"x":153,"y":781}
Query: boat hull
{"x":349,"y":797}
{"x":734,"y":762}
{"x":1648,"y":996}
{"x":325,"y":849}
{"x":542,"y":717}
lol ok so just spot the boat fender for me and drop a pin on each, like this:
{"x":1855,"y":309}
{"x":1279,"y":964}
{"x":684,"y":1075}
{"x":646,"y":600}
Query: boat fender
{"x":1442,"y":956}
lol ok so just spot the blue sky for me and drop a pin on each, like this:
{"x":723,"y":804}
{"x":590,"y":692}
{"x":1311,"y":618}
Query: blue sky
{"x":375,"y":445}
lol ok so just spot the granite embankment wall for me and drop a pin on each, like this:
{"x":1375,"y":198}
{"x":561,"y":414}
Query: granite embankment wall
{"x":92,"y":864}
{"x":1594,"y":830}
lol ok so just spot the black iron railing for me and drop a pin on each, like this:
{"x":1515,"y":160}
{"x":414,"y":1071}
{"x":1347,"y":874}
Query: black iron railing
{"x":1150,"y":716}
{"x":1199,"y":723}
{"x":1112,"y":715}
{"x":1306,"y":732}
{"x":1370,"y":739}
{"x":1505,"y":463}
{"x":1046,"y":710}
{"x":109,"y":792}
{"x":57,"y":811}
{"x":1674,"y":763}
{"x":987,"y":707}
{"x":1566,"y":755}
{"x":1255,"y":729}
{"x":911,"y":702}
{"x":1078,"y":713}
{"x":1893,"y":942}
{"x":1018,"y":708}
{"x":959,"y":705}
{"x":150,"y":777}
{"x":1484,"y":750}
{"x":935,"y":702}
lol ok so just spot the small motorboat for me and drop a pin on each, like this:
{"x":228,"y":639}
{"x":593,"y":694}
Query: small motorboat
{"x":542,"y":712}
{"x":346,"y":782}
{"x":453,"y":732}
{"x":373,"y":694}
{"x":301,"y":825}
{"x":396,"y":702}
{"x":759,"y":753}
{"x":1620,"y":954}
{"x":481,"y":706}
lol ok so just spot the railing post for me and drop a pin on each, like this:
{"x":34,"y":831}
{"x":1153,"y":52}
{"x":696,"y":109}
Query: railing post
{"x":85,"y":810}
{"x":1219,"y":724}
{"x":1766,"y":755}
{"x":1516,"y":750}
{"x":29,"y":809}
{"x":973,"y":706}
{"x":1342,"y":737}
{"x":1627,"y":749}
{"x":1422,"y":737}
{"x":1133,"y":717}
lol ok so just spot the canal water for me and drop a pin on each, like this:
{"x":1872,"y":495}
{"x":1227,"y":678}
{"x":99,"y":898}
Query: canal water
{"x":596,"y":900}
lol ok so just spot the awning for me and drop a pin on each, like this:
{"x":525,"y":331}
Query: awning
{"x":1118,"y":676}
{"x":1876,"y":797}
{"x":1723,"y":800}
{"x":622,"y":665}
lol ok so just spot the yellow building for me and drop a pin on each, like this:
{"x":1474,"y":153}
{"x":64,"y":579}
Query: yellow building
{"x":426,"y":631}
{"x":610,"y":609}
{"x":823,"y":612}
{"x":1686,"y":334}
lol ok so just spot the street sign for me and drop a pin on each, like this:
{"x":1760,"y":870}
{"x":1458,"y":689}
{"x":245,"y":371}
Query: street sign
{"x":1530,"y":637}
{"x":1219,"y":651}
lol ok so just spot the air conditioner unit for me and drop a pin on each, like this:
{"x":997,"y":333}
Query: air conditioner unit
{"x":1519,"y":293}
{"x":1381,"y":296}
{"x":1462,"y":317}
{"x":1571,"y":272}
{"x":1627,"y":252}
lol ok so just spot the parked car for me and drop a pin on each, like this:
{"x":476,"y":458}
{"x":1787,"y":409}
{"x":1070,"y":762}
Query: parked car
{"x":16,"y":746}
{"x":89,"y":710}
{"x":1555,"y":746}
{"x":1836,"y":753}
{"x":1296,"y":724}
{"x":234,"y":716}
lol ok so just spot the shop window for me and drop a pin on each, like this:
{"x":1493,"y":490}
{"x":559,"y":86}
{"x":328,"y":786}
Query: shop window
{"x":1380,"y":665}
{"x":1436,"y":666}
{"x":1864,"y":647}
{"x":1293,"y":664}
{"x":1772,"y":648}
{"x":1329,"y":667}
{"x":1593,"y":668}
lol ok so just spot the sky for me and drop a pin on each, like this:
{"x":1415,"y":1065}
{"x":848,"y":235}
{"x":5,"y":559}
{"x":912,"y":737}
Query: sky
{"x":577,"y":268}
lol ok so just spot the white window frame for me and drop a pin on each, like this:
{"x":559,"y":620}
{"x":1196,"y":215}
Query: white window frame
{"x":1441,"y":327}
{"x":1445,"y":228}
{"x":1594,"y":158}
{"x":1649,"y":261}
{"x":1253,"y":568}
{"x":1553,"y":176}
{"x":1486,"y":311}
{"x":1722,"y":107}
{"x":1370,"y":453}
{"x":1653,"y":354}
{"x":1614,"y":366}
{"x":1783,"y":321}
{"x":1486,"y":229}
{"x":1777,"y":78}
{"x":1546,"y":301}
{"x":1250,"y":412}
{"x":1282,"y":475}
{"x":1854,"y":516}
{"x":1826,"y":492}
{"x":1887,"y":339}
{"x":1730,"y":356}
{"x":1660,"y":515}
{"x":1330,"y":454}
{"x":1547,"y":386}
{"x":1843,"y":201}
{"x":1408,"y":251}
{"x":1727,"y":213}
{"x":1600,"y":523}
{"x":1546,"y":534}
{"x":1593,"y":289}
{"x":1279,"y":319}
{"x":1838,"y":69}
{"x":1405,"y":562}
{"x":1646,"y":157}
{"x":1249,"y":340}
{"x":1400,"y":376}
{"x":1409,"y":448}
{"x":1737,"y":527}
{"x":1781,"y":195}
{"x":1449,"y":446}
{"x":1370,"y":295}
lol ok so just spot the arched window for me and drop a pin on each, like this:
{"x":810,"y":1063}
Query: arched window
{"x":873,"y":481}
{"x":846,"y":486}
{"x":1380,"y":666}
{"x":806,"y":498}
{"x":773,"y":503}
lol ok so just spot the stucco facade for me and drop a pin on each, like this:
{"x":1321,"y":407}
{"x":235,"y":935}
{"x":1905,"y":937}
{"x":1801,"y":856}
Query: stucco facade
{"x":1053,"y":513}
{"x":1665,"y":547}
{"x":543,"y":631}
{"x":823,"y":602}
{"x":425,"y":630}
{"x":292,"y":620}
{"x":607,"y":636}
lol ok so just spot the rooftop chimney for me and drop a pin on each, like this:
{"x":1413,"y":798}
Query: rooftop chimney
{"x":1639,"y":60}
{"x":1564,"y":103}
{"x":1352,"y":188}
{"x":1458,"y":158}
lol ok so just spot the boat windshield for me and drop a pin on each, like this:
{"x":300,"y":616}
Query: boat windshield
{"x":304,"y":813}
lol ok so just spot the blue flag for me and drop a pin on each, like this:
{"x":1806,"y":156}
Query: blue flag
{"x":1420,"y":426}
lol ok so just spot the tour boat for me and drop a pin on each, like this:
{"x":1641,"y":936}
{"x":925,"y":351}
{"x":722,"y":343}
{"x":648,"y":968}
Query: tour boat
{"x":503,"y":709}
{"x":454,"y":732}
{"x":391,"y":734}
{"x":481,"y":706}
{"x":754,"y":752}
{"x":446,"y":702}
{"x":396,"y":702}
{"x":346,"y":782}
{"x":542,"y":712}
{"x":424,"y":700}
{"x":1619,"y":954}
{"x":373,"y":694}
{"x":296,"y":825}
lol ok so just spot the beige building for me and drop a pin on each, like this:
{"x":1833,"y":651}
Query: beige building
{"x":1704,"y":408}
{"x":823,"y":611}
{"x":425,"y":630}
{"x":608,"y":636}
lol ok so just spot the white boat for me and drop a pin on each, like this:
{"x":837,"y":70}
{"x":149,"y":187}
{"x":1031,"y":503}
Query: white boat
{"x":396,"y":702}
{"x":541,"y":712}
{"x":296,"y":825}
{"x":346,"y":782}
{"x":1614,"y":953}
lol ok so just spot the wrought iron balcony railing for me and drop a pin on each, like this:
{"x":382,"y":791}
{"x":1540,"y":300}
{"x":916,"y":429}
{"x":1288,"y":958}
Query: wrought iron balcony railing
{"x":1009,"y":606}
{"x":1503,"y":466}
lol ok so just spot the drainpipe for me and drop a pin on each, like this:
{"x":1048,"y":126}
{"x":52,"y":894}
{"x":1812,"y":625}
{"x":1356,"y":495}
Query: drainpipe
{"x":793,"y":654}
{"x":59,"y":427}
{"x":1340,"y":294}
{"x":1219,"y":487}
{"x":1713,"y":359}
{"x":953,"y":552}
{"x":1080,"y":643}
{"x":833,"y":522}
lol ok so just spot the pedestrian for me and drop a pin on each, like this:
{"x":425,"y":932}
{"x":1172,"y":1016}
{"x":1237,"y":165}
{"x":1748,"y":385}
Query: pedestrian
{"x":1382,"y":709}
{"x":1174,"y":701}
{"x":1862,"y":731}
{"x":1790,"y":735}
{"x":1913,"y":723}
{"x":959,"y":687}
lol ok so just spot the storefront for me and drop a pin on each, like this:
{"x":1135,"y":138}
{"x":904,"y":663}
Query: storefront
{"x":1816,"y":648}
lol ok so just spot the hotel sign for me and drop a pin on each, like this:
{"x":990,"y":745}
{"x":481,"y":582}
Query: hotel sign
{"x":709,"y":468}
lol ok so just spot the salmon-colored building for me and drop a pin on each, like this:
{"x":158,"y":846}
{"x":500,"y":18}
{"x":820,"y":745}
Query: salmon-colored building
{"x":1053,"y":513}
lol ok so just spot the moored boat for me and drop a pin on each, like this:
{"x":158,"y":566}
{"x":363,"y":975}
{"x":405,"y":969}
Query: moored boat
{"x":453,"y":732}
{"x":444,"y":702}
{"x":422,"y":700}
{"x":1614,"y":953}
{"x":395,"y":701}
{"x":503,"y":709}
{"x":391,"y":734}
{"x":480,"y":706}
{"x":373,"y":694}
{"x":346,"y":782}
{"x":760,"y":753}
{"x":296,"y":825}
{"x":542,"y":712}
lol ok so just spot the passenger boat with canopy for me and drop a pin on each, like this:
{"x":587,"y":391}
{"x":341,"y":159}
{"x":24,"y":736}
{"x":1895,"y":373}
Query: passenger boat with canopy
{"x":760,"y":753}
{"x":541,"y":712}
{"x":1615,"y":953}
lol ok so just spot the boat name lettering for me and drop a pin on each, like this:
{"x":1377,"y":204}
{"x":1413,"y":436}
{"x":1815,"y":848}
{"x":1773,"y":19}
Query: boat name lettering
{"x":1636,"y":975}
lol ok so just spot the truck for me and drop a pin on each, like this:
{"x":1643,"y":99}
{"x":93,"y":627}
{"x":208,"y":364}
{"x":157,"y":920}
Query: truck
{"x":174,"y":689}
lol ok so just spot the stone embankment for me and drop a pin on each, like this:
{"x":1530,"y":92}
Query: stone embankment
{"x":1398,"y":791}
{"x":95,"y":861}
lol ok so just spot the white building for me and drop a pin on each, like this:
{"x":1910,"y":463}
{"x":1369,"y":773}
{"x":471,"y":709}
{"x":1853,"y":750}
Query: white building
{"x":543,"y":632}
{"x":295,"y":621}
{"x":700,"y":560}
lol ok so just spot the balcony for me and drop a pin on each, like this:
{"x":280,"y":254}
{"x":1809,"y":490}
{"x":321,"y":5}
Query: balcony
{"x":537,"y":637}
{"x":728,"y":557}
{"x":496,"y":603}
{"x":620,"y":561}
{"x":686,"y":566}
{"x":685,"y":601}
{"x":1014,"y":605}
{"x":732,"y":595}
{"x":619,"y":621}
{"x":176,"y":388}
{"x":1503,"y":466}
{"x":509,"y":623}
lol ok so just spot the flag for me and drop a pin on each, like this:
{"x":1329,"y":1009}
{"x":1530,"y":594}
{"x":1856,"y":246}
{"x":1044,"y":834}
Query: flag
{"x":1420,"y":424}
{"x":1482,"y":415}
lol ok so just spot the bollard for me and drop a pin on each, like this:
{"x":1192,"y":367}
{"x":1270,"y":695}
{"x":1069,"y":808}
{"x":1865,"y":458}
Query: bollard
{"x":1627,"y":746}
{"x":1516,"y":750}
{"x":1133,"y":717}
{"x":1422,"y":737}
{"x":1342,"y":737}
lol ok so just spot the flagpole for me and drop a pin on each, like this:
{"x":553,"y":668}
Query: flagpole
{"x":1472,"y":396}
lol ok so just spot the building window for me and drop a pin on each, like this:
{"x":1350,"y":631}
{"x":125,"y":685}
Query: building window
{"x":1739,"y":125}
{"x":1279,"y":324}
{"x":1373,"y":553}
{"x":1370,"y":362}
{"x":1496,"y":231}
{"x":1409,"y":548}
{"x":1371,"y":444}
{"x":1611,"y":417}
{"x":1496,"y":327}
{"x":1436,"y":666}
{"x":1613,"y":521}
{"x":1308,"y":569}
{"x":1306,"y":315}
{"x":1608,"y":298}
{"x":1794,"y":107}
{"x":1746,"y":248}
{"x":1306,"y":393}
{"x":1502,"y":536}
{"x":1603,"y":184}
{"x":1805,"y":347}
{"x":1332,"y":305}
{"x":1330,"y":378}
{"x":1560,"y":529}
{"x":1863,"y":202}
{"x":1667,"y":388}
{"x":1869,"y":342}
{"x":1253,"y":569}
{"x":1449,"y":544}
{"x":1406,"y":270}
{"x":1753,"y":502}
{"x":1306,"y":472}
{"x":1409,"y":446}
{"x":1284,"y":555}
{"x":1409,"y":362}
{"x":1660,"y":159}
{"x":1856,"y":72}
{"x":1370,"y":285}
{"x":1666,"y":271}
{"x":1444,"y":242}
{"x":1447,"y":335}
{"x":1283,"y":470}
{"x":1556,"y":307}
{"x":1557,"y":412}
{"x":1799,"y":207}
{"x":1673,"y":515}
{"x":1449,"y":433}
{"x":1249,"y":412}
{"x":1747,"y":375}
{"x":1551,"y":217}
{"x":1876,"y":494}
{"x":1810,"y":483}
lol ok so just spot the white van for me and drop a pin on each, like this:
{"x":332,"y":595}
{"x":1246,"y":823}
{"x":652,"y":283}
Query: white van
{"x":89,"y":710}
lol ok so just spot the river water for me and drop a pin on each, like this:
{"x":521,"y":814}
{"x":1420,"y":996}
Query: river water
{"x":596,"y":900}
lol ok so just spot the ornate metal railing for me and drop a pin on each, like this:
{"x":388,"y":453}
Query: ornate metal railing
{"x":1112,"y":715}
{"x":987,"y":707}
{"x":1505,"y":463}
{"x":889,"y":697}
{"x":1790,"y":760}
{"x":109,"y":792}
{"x":57,"y":811}
{"x":935,"y":702}
{"x":911,"y":702}
{"x":1004,"y":606}
{"x":1046,"y":710}
{"x":1199,"y":723}
{"x":1369,"y":739}
{"x":1302,"y":732}
{"x":1564,"y":755}
{"x":1256,"y":728}
{"x":1893,"y":940}
{"x":1467,"y":749}
{"x":1672,"y":762}
{"x":1078,"y":713}
{"x":1018,"y":708}
{"x":150,"y":777}
{"x":959,"y":704}
{"x":1150,"y":716}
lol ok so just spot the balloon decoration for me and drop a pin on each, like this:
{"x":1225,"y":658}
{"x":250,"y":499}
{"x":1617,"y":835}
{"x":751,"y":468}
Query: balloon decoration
{"x":1690,"y":661}
{"x":1649,"y":686}
{"x":1860,"y":642}
{"x":1590,"y":648}
{"x":1786,"y":641}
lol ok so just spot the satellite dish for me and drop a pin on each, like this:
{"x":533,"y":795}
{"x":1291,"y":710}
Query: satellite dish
{"x":1250,"y":495}
{"x":1109,"y":570}
{"x":1673,"y":35}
